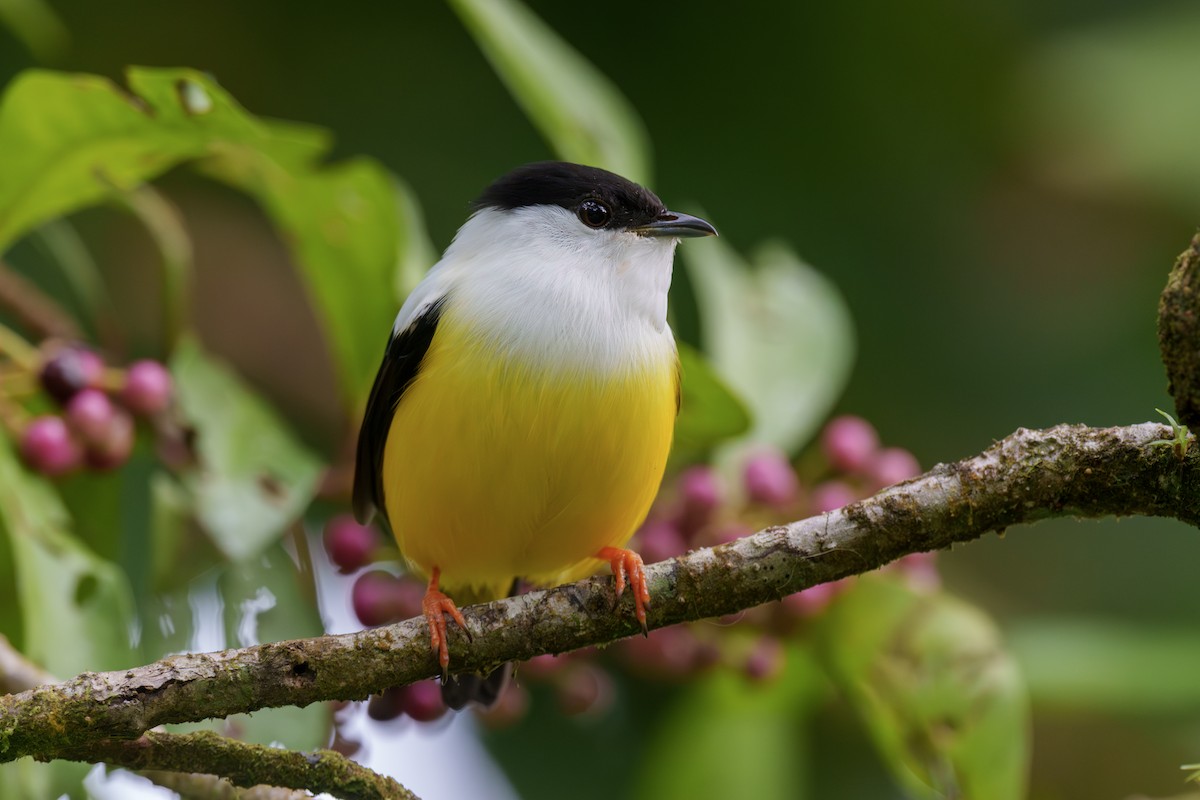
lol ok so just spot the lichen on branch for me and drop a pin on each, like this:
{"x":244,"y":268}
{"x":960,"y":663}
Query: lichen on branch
{"x":1069,"y":470}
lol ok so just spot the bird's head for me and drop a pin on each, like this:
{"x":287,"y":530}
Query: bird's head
{"x":577,"y":232}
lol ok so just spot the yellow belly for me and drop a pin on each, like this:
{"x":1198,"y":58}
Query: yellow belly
{"x":496,"y":469}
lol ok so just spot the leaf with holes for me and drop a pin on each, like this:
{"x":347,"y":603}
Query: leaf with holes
{"x":253,"y":477}
{"x":69,"y":141}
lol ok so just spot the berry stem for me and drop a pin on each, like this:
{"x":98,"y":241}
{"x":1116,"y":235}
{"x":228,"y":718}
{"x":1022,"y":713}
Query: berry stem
{"x":33,"y":309}
{"x":16,"y":382}
{"x":12,"y":417}
{"x":18,"y":350}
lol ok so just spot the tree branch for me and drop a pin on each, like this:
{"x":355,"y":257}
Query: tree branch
{"x":1069,"y":470}
{"x":18,"y":673}
{"x":242,"y":764}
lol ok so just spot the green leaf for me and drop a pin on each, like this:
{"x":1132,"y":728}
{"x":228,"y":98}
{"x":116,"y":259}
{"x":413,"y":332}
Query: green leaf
{"x":728,"y":737}
{"x":35,"y":23}
{"x":65,"y":592}
{"x":575,"y":107}
{"x":341,"y":227}
{"x":254,"y":477}
{"x":709,"y":412}
{"x":778,"y":332}
{"x":940,"y":696}
{"x":1110,"y":667}
{"x":67,"y":141}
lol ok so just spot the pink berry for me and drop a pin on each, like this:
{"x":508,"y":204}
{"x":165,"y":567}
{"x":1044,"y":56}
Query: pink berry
{"x":770,"y":479}
{"x":114,"y":445}
{"x":147,"y":388}
{"x":48,"y":446}
{"x":659,"y":540}
{"x":830,"y":496}
{"x":375,"y":598}
{"x":92,"y":365}
{"x":350,"y":545}
{"x":89,"y":413}
{"x":892,"y":465}
{"x":388,"y":704}
{"x":849,"y":442}
{"x":70,"y":370}
{"x":423,"y":702}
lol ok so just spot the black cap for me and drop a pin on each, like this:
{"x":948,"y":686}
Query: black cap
{"x":559,"y":183}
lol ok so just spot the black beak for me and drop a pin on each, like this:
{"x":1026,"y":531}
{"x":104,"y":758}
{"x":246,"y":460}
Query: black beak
{"x":681,"y":226}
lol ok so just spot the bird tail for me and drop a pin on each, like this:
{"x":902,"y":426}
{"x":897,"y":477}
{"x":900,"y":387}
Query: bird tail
{"x":459,"y":690}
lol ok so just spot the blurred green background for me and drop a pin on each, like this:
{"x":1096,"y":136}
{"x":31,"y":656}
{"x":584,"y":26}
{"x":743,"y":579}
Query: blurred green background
{"x":998,"y":189}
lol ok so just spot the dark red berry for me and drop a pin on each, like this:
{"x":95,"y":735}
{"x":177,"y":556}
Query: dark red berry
{"x":350,"y":545}
{"x":68,"y":371}
{"x":380,"y":597}
{"x":147,"y":388}
{"x":423,"y":702}
{"x":388,"y":704}
{"x":48,"y":446}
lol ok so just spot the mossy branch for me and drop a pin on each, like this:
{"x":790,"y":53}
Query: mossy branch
{"x":1069,"y":470}
{"x":242,"y":764}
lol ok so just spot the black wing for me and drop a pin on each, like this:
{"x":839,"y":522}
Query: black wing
{"x":401,"y":361}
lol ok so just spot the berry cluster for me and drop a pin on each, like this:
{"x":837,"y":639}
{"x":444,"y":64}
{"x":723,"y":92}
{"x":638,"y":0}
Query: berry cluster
{"x":94,"y":424}
{"x":699,"y":509}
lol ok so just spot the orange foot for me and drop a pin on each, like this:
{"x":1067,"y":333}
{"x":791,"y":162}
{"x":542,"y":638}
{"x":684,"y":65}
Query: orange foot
{"x":436,"y":606}
{"x":628,"y":563}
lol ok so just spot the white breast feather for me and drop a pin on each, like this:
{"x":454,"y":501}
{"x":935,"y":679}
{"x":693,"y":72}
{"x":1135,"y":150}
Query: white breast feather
{"x":537,"y":283}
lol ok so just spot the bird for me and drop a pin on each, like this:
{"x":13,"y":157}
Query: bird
{"x":519,"y":425}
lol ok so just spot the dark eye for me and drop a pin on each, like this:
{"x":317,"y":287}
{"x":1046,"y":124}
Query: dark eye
{"x":594,"y":214}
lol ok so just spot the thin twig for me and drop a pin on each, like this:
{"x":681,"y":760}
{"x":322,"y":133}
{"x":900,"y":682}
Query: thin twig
{"x":33,"y":309}
{"x":18,"y":673}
